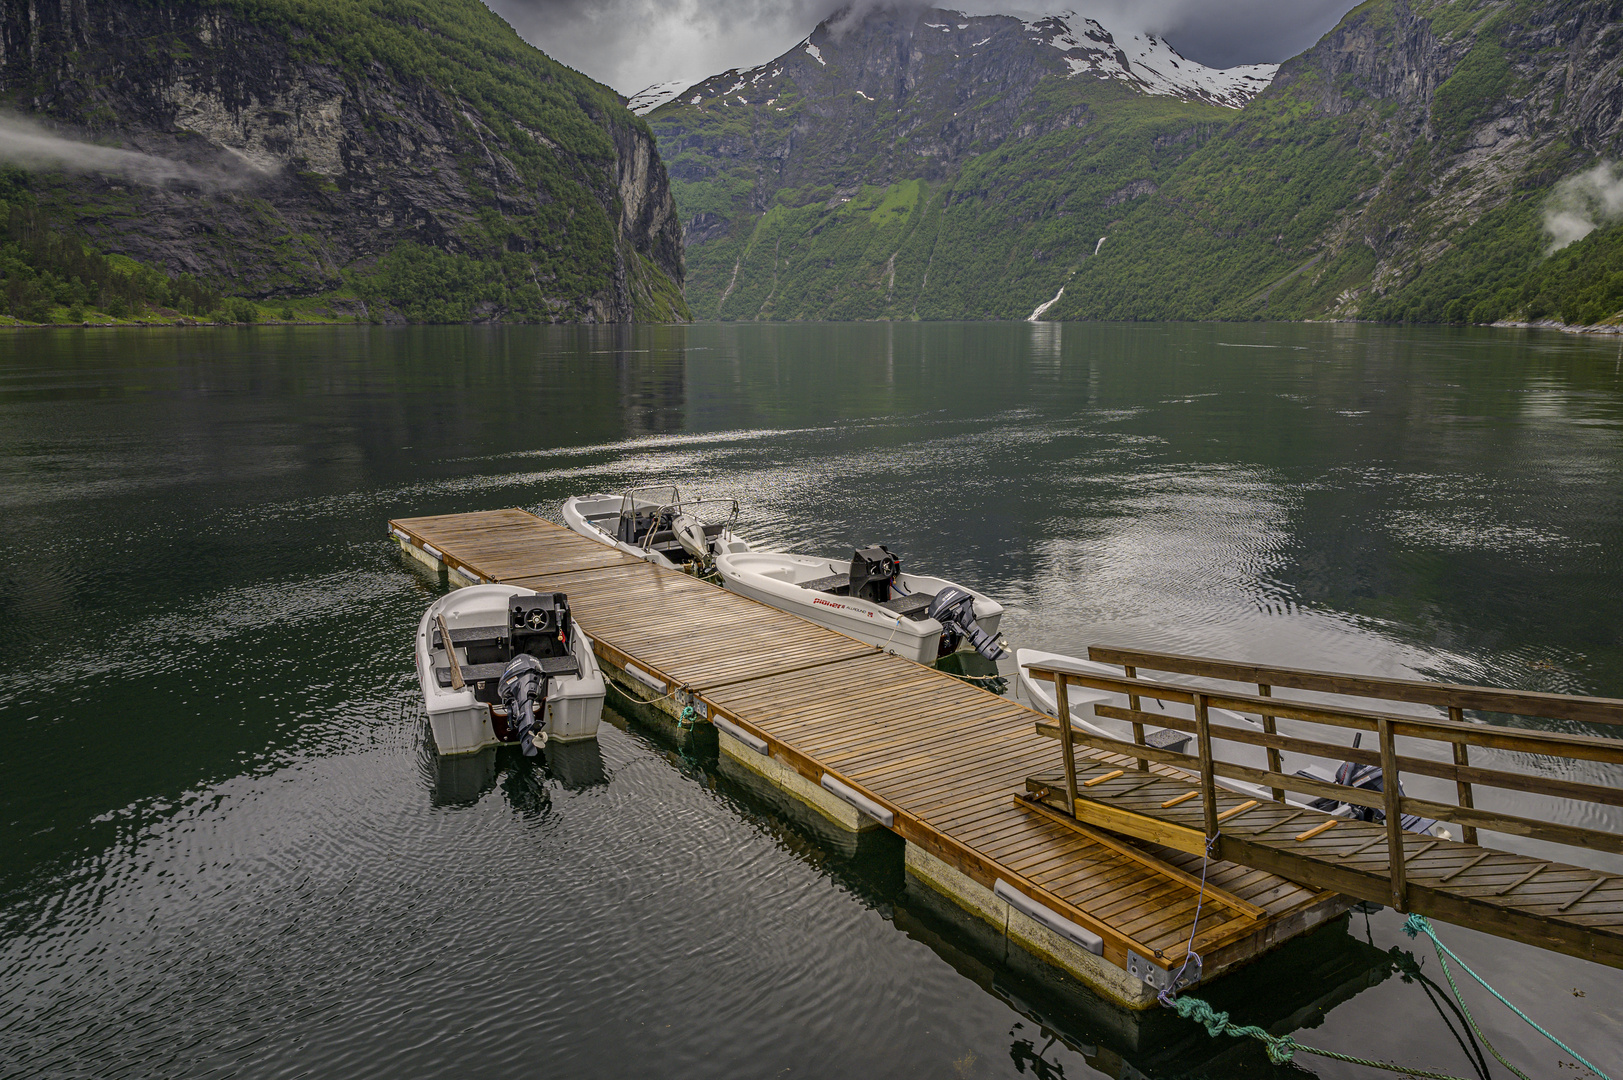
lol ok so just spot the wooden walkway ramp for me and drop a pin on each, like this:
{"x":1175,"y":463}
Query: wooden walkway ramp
{"x":1534,"y":899}
{"x":943,"y":759}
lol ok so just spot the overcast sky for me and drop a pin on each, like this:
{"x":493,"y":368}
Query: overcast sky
{"x":630,"y":44}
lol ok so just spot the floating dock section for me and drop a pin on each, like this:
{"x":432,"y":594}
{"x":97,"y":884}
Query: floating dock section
{"x":870,"y":740}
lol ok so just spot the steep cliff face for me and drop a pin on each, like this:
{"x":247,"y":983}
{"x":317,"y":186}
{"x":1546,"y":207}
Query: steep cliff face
{"x":415,"y":152}
{"x":1400,"y":169}
{"x":922,"y":162}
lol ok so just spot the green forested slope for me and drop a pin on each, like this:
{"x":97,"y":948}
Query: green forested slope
{"x":980,"y":244}
{"x":414,"y":156}
{"x":967,"y":182}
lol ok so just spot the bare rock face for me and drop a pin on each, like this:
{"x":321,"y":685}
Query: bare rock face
{"x":309,"y":152}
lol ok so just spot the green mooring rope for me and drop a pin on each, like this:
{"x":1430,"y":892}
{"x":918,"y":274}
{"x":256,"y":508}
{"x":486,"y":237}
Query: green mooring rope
{"x":1281,"y":1048}
{"x":1418,"y":924}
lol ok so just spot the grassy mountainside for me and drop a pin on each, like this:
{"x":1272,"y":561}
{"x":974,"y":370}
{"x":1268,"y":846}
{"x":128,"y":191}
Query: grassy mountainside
{"x":413,"y":157}
{"x":917,"y":164}
{"x":1397,"y":171}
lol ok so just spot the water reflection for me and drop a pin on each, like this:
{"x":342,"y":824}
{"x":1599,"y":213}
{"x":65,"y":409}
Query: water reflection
{"x":464,"y":779}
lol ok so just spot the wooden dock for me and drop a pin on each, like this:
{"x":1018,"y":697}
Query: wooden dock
{"x":839,"y":724}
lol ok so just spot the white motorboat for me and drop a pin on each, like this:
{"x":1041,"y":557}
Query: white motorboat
{"x":921,"y":618}
{"x":519,"y":670}
{"x":1082,"y":699}
{"x":657,"y":524}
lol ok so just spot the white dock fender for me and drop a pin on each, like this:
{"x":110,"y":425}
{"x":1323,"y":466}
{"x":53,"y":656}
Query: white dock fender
{"x":754,"y":742}
{"x":858,"y":800}
{"x":1050,"y":918}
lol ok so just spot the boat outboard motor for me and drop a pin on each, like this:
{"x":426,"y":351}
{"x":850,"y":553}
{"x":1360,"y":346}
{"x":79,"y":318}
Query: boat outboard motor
{"x":523,"y":689}
{"x":1370,"y":778}
{"x":954,"y":609}
{"x":538,"y":628}
{"x":689,"y":532}
{"x":873,"y":572}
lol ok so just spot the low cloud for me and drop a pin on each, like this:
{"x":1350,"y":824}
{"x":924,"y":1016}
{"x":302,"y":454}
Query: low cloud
{"x":1582,"y":203}
{"x":630,"y":44}
{"x":27,"y":145}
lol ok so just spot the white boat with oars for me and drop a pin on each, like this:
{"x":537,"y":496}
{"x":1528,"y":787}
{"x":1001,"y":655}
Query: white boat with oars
{"x":1040,"y":695}
{"x":502,"y":664}
{"x":659,"y":525}
{"x":921,"y":618}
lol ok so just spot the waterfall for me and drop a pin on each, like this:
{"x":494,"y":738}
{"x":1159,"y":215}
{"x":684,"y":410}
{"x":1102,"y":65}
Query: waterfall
{"x":1038,"y":314}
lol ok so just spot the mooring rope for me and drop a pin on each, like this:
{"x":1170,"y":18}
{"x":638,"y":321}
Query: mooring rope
{"x":1281,"y":1048}
{"x":1419,"y":924}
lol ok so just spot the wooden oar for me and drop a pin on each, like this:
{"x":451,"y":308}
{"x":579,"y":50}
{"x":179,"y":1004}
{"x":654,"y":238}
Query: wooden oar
{"x":450,"y":652}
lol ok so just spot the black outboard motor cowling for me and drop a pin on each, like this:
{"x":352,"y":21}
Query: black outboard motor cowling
{"x":873,"y":573}
{"x":523,"y":689}
{"x":954,"y":609}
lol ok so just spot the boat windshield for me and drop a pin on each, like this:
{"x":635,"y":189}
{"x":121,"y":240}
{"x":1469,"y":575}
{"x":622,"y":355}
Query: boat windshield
{"x":645,"y":499}
{"x":640,"y":511}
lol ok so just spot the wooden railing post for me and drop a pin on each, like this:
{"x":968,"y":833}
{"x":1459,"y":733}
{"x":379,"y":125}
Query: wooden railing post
{"x":1395,"y":854}
{"x":1274,"y":765}
{"x":1062,"y":699}
{"x":1138,"y":728}
{"x":1462,"y":758}
{"x":1208,"y":778}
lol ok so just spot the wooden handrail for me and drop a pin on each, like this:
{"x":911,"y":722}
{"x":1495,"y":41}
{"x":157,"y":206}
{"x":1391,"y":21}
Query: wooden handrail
{"x":1594,"y":710}
{"x":1493,"y":736}
{"x":1388,"y":728}
{"x":1442,"y":770}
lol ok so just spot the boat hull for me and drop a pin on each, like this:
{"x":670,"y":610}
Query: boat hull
{"x":771,"y":579}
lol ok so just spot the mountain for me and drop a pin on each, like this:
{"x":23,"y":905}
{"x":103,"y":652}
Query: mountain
{"x":1399,"y":170}
{"x":906,"y":162}
{"x":934,"y":165}
{"x":402,"y":158}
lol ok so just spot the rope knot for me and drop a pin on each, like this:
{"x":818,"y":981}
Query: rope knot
{"x":1416,"y":924}
{"x":1281,"y":1049}
{"x":1192,"y":1008}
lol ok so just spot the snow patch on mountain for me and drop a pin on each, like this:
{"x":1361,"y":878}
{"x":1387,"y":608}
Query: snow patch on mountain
{"x":1149,"y":63}
{"x":649,"y":98}
{"x":1144,"y":61}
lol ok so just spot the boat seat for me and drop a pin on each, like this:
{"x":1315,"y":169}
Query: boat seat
{"x":834,"y":583}
{"x":666,"y":536}
{"x":474,"y":635}
{"x":911,"y":606}
{"x":552,"y":666}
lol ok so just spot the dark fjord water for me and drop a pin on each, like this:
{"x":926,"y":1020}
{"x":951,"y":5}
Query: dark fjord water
{"x":227,"y":851}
